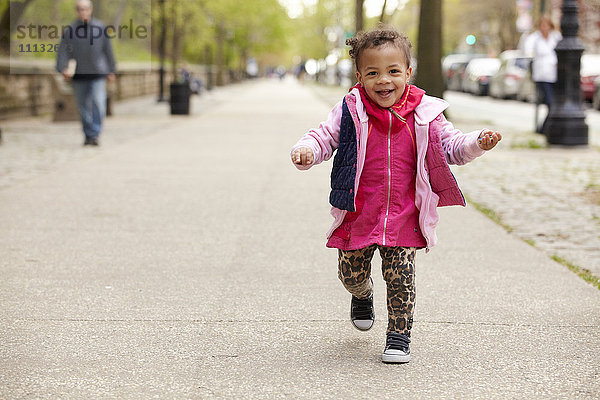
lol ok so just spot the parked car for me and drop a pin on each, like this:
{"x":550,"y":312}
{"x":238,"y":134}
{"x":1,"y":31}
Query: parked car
{"x":513,"y":68}
{"x":478,"y":74}
{"x":455,"y":76}
{"x":453,"y":69}
{"x":590,"y":70}
{"x":596,"y":99}
{"x":526,"y":91}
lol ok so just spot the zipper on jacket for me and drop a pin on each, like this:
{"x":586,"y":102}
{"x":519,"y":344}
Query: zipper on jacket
{"x":397,"y":115}
{"x":389,"y":151}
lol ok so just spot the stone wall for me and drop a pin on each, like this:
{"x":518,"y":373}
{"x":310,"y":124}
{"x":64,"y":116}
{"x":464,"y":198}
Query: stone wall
{"x":38,"y":89}
{"x":25,"y":93}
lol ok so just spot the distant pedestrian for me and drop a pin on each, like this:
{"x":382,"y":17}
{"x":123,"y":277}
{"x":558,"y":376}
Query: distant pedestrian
{"x":86,"y":42}
{"x":301,"y":71}
{"x":389,"y":175}
{"x":541,"y":44}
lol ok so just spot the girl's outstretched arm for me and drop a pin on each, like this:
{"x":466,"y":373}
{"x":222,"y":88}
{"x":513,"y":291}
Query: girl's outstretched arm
{"x":320,"y":142}
{"x":461,"y":148}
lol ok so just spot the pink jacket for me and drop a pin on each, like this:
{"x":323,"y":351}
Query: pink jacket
{"x":458,"y":148}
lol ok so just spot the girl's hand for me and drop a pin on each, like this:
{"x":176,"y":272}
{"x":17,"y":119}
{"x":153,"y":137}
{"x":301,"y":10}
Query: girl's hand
{"x":303,"y":156}
{"x":488,"y":140}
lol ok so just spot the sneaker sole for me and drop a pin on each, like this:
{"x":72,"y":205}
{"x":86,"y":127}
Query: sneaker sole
{"x":395,"y":359}
{"x":362,"y":329}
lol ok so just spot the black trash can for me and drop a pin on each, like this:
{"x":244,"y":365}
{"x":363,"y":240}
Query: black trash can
{"x":180,"y":98}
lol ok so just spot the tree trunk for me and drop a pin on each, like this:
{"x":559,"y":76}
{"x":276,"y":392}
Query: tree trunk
{"x":208,"y":61}
{"x":176,"y":41}
{"x":358,"y":26}
{"x":220,"y":53}
{"x":13,"y":12}
{"x":429,"y":51}
{"x":358,"y":13}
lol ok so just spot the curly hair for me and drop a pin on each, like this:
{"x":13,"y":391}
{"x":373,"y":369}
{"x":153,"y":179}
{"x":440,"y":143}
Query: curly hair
{"x":378,"y":37}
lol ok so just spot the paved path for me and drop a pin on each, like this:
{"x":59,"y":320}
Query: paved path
{"x":37,"y":145}
{"x":188,"y":261}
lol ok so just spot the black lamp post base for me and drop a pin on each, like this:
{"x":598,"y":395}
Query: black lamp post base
{"x":566,"y":120}
{"x":567,"y":131}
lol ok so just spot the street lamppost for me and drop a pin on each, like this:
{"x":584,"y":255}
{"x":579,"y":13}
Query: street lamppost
{"x":566,"y":121}
{"x":161,"y":51}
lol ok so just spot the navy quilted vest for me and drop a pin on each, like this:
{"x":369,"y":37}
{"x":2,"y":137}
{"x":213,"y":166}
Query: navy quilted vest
{"x":343,"y":172}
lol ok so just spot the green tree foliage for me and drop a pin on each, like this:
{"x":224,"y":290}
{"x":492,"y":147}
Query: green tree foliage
{"x":224,"y":32}
{"x":493,"y":23}
{"x":310,"y":39}
{"x":250,"y":28}
{"x":10,"y":11}
{"x":323,"y":28}
{"x":228,"y":32}
{"x":42,"y":20}
{"x":405,"y":19}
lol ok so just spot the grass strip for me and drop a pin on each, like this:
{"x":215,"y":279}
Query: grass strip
{"x":488,"y":212}
{"x":583,"y":273}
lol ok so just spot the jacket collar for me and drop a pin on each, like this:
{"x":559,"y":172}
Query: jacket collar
{"x":406,"y":104}
{"x":428,"y":110}
{"x":357,"y":101}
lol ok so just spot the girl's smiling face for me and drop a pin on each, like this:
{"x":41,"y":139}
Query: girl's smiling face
{"x":384,"y":73}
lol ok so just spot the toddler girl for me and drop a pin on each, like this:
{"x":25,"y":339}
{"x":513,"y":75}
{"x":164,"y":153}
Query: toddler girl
{"x":389,"y":174}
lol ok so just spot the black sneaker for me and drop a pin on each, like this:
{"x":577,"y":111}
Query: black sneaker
{"x":397,"y":348}
{"x":362,"y":313}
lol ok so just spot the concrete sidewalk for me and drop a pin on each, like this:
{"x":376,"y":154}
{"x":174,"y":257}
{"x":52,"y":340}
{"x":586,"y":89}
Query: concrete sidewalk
{"x":189,"y":262}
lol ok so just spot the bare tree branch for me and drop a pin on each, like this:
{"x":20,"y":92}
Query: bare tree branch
{"x":382,"y":17}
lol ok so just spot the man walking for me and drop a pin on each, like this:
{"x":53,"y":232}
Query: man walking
{"x":87,"y":42}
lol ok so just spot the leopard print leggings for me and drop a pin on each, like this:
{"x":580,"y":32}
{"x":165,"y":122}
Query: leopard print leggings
{"x":398,"y":268}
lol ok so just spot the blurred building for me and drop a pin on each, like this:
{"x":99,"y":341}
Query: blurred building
{"x":589,"y":25}
{"x":589,"y":21}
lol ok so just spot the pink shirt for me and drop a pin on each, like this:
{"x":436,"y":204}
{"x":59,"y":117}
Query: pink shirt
{"x":385,"y":201}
